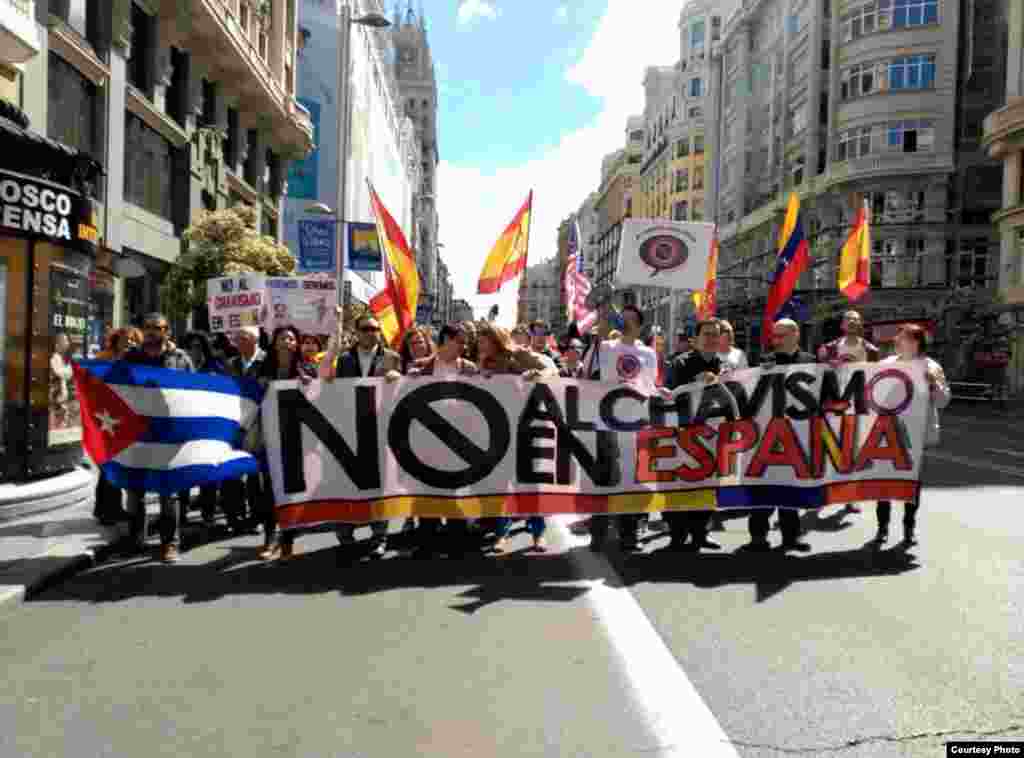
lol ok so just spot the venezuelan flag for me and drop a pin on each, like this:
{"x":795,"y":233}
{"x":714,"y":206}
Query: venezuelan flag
{"x":855,"y":258}
{"x":508,"y":257}
{"x":794,"y":258}
{"x":395,"y":305}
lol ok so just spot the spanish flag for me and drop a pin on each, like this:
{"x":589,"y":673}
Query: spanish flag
{"x":706,"y":301}
{"x":395,"y":305}
{"x":855,"y":258}
{"x":508,"y":258}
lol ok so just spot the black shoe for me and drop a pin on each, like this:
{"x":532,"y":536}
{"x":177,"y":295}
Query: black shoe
{"x":680,"y":545}
{"x":796,"y":546}
{"x":706,"y":544}
{"x":757,"y":546}
{"x":597,"y":544}
{"x":908,"y":536}
{"x":882,"y":535}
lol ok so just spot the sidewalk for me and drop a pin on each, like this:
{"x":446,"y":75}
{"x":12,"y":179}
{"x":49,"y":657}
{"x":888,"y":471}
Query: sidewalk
{"x":46,"y":547}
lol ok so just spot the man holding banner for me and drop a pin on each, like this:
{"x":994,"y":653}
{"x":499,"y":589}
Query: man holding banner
{"x":702,"y":365}
{"x":786,"y":336}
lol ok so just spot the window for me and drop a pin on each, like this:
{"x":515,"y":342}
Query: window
{"x":826,"y":53}
{"x":696,"y":87}
{"x":679,"y":211}
{"x":683,"y":148}
{"x":698,"y":177}
{"x":915,"y":12}
{"x":697,"y":36}
{"x":911,"y":136}
{"x":697,"y":212}
{"x":148,"y":168}
{"x":74,"y":109}
{"x":695,"y":112}
{"x":862,"y":79}
{"x":80,"y":16}
{"x":698,"y":144}
{"x":716,"y":28}
{"x":682,"y":180}
{"x":868,"y":18}
{"x":243,"y":16}
{"x":140,"y":73}
{"x":913,"y":72}
{"x":854,"y":143}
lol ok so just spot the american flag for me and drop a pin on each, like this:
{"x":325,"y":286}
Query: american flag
{"x":577,"y":285}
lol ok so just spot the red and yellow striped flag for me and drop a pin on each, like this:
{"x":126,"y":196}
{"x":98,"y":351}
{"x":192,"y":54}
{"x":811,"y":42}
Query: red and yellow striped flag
{"x":395,"y":305}
{"x":508,"y":257}
{"x":706,"y":301}
{"x":855,"y":258}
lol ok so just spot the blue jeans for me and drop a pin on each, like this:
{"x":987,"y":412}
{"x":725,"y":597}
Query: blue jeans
{"x":535,"y":525}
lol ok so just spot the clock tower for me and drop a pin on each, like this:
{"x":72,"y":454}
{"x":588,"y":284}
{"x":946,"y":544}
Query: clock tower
{"x":417,"y":87}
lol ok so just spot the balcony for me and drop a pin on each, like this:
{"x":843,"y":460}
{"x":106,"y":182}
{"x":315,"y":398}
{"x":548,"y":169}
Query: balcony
{"x":242,"y":59}
{"x":1004,"y":129}
{"x":19,"y":35}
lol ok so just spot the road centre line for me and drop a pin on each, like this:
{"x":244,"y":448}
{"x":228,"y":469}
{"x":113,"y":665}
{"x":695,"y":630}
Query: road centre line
{"x":677,"y":715}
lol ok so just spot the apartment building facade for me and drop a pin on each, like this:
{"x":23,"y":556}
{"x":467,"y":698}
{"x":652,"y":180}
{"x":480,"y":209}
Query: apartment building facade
{"x":844,"y":101}
{"x":540,"y":294}
{"x":1004,"y":141}
{"x":131,"y":116}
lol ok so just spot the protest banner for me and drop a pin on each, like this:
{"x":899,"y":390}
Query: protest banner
{"x":237,"y":301}
{"x":308,"y":303}
{"x":798,"y":436}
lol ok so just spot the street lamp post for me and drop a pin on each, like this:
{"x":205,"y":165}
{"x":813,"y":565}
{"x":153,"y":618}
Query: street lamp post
{"x":345,"y":22}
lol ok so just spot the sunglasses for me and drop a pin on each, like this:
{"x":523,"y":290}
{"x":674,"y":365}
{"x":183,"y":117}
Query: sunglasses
{"x":369,"y":329}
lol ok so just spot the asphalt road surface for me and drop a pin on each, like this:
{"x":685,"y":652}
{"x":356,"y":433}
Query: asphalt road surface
{"x":845,"y":651}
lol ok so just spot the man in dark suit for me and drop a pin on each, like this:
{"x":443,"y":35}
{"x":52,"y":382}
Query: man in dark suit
{"x":248,"y":364}
{"x":367,"y":358}
{"x":700,"y":365}
{"x":786,"y":339}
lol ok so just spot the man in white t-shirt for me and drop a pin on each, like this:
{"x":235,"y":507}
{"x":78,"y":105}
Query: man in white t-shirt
{"x":851,"y":347}
{"x":625,"y":361}
{"x":732,"y":358}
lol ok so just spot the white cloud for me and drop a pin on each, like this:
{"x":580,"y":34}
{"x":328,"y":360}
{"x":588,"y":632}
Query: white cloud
{"x":562,"y":14}
{"x":475,"y":206}
{"x":470,"y":10}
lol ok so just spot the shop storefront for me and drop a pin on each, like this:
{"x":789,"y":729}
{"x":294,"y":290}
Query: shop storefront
{"x":48,"y":315}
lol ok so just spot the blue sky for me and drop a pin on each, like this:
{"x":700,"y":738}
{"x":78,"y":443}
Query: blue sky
{"x":502,"y":80}
{"x":533,"y":94}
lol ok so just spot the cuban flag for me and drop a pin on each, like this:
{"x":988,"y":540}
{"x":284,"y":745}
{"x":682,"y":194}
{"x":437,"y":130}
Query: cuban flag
{"x":165,"y":431}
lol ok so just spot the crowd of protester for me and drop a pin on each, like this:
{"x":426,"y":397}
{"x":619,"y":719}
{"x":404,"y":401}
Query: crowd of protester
{"x":467,"y":349}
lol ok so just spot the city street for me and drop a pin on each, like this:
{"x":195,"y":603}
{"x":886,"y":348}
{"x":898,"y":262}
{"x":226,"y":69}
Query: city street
{"x":843,"y":651}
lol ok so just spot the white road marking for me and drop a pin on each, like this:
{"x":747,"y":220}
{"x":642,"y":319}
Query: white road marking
{"x":971,"y":463}
{"x":1004,"y":451}
{"x":678,"y":717}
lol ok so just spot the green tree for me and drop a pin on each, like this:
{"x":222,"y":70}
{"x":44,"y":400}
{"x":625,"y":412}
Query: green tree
{"x":220,"y":243}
